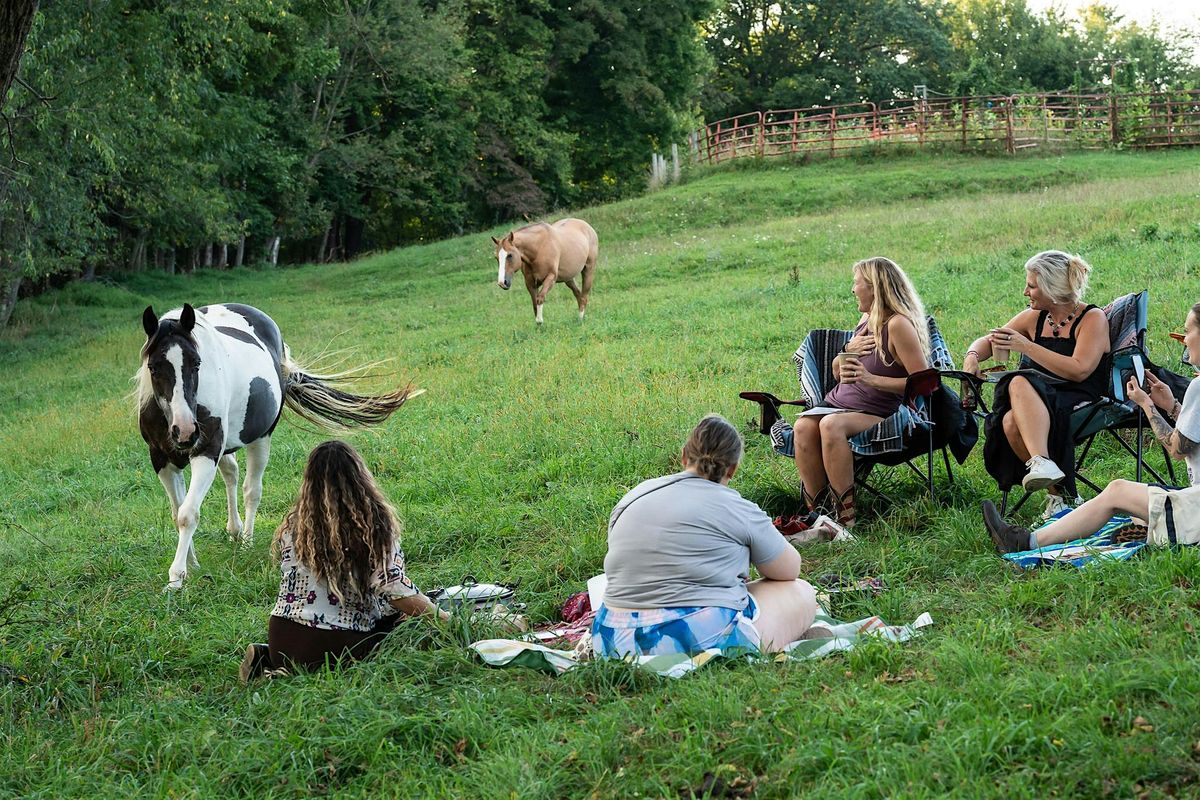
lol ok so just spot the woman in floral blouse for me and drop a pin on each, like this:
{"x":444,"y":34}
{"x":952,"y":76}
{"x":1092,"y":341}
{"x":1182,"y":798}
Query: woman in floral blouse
{"x":343,"y":586}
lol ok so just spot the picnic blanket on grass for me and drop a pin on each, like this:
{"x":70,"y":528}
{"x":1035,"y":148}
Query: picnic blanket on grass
{"x":1100,"y":546}
{"x":826,"y":636}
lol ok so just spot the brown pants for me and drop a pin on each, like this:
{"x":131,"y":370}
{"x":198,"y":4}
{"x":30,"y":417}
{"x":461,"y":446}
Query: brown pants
{"x":294,"y":645}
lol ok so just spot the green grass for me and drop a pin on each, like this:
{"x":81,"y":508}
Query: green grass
{"x":1027,"y":685}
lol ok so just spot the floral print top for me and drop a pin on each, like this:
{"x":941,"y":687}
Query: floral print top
{"x":304,"y":599}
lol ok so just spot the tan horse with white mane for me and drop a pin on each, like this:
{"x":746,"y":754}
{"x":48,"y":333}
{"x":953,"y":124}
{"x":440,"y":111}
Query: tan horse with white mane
{"x":549,"y":254}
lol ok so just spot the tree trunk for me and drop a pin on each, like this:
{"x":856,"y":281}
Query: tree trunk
{"x":324,"y":244}
{"x":89,"y":271}
{"x":195,"y":258}
{"x":170,"y":261}
{"x":273,"y":251}
{"x":16,"y":18}
{"x":223,"y":257}
{"x":241,"y":251}
{"x":352,"y":244}
{"x":10,"y":288}
{"x":208,"y":255}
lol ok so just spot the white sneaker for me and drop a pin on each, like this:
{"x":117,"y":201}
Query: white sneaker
{"x":1042,"y":473}
{"x":1054,"y":504}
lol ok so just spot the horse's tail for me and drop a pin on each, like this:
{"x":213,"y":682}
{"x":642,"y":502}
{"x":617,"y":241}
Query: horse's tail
{"x":320,"y":399}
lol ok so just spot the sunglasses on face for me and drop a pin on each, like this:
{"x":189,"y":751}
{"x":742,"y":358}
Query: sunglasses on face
{"x":1176,"y":336}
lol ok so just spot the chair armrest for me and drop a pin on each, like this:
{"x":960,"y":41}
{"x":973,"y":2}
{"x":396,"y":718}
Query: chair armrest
{"x":970,"y":383}
{"x":921,"y":384}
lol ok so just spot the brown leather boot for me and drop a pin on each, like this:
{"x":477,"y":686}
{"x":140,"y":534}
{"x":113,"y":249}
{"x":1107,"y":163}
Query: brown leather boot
{"x":843,"y":506}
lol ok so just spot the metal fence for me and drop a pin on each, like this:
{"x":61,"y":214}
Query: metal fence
{"x":1009,"y":123}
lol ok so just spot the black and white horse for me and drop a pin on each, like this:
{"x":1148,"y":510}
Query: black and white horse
{"x":214,"y":380}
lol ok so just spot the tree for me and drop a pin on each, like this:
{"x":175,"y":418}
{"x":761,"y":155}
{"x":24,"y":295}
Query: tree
{"x":16,"y":18}
{"x":796,"y":54}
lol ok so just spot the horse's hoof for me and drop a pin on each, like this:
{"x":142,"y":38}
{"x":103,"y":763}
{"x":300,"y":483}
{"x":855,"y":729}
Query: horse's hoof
{"x":173,"y":586}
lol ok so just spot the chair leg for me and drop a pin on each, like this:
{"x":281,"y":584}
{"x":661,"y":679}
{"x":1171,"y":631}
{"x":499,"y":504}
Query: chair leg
{"x":1004,"y":503}
{"x":1139,"y":447}
{"x":929,"y":466}
{"x":949,"y":471}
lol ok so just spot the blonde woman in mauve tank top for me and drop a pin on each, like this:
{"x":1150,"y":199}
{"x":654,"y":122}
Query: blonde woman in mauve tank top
{"x":890,"y":342}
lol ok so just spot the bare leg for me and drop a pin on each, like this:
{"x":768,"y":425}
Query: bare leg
{"x":785,"y":611}
{"x":257,"y":454}
{"x":229,"y":475}
{"x":1031,"y":416}
{"x":1119,"y":497}
{"x":806,"y":439}
{"x":836,"y":432}
{"x":1015,"y":440}
{"x":204,"y":469}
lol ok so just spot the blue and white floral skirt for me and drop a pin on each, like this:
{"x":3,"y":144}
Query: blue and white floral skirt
{"x":690,"y":630}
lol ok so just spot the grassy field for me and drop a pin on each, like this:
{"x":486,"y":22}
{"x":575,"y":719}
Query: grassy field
{"x":1057,"y":683}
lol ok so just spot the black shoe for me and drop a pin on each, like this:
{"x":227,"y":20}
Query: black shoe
{"x":1007,"y":538}
{"x":255,"y":662}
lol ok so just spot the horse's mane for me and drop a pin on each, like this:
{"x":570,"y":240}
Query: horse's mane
{"x":532,"y":225}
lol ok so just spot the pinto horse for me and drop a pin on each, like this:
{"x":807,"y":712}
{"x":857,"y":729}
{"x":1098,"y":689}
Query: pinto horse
{"x":214,"y":380}
{"x":547,"y":254}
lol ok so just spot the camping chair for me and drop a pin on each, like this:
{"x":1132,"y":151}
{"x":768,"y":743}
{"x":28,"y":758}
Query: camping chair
{"x":929,"y":417}
{"x":1128,"y":318}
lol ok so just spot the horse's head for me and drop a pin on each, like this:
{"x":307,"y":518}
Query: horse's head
{"x":172,"y":362}
{"x":509,"y":259}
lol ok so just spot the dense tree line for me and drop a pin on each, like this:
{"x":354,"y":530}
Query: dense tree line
{"x":177,"y":136}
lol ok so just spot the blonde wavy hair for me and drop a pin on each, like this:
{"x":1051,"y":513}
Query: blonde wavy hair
{"x":1062,"y":276}
{"x":894,"y":294}
{"x":343,"y":529}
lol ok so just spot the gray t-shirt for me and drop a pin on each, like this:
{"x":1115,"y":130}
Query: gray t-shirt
{"x":1188,"y":426}
{"x":683,"y":540}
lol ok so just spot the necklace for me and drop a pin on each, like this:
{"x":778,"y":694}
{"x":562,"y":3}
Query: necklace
{"x":1055,"y":327}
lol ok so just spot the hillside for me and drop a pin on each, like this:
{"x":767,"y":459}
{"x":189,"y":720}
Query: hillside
{"x":1027,"y":685}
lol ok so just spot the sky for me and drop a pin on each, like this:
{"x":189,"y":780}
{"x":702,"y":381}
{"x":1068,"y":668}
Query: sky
{"x":1172,"y":13}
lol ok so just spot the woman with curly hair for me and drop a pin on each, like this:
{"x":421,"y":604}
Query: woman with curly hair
{"x":343,"y":586}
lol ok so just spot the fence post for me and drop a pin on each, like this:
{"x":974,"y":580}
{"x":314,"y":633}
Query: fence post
{"x":762,"y":135}
{"x":920,"y":124}
{"x":1112,"y":116}
{"x":1009,"y":145}
{"x":795,"y":127}
{"x":963,"y":102}
{"x":1170,"y":136}
{"x":832,"y":132}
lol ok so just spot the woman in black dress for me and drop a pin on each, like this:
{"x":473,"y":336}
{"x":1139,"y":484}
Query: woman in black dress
{"x":1064,"y":348}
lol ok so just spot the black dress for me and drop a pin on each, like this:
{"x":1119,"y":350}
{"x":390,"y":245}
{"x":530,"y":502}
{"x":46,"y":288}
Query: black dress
{"x":1061,"y":398}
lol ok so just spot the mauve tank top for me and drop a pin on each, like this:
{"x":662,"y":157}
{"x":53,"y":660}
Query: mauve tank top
{"x":859,"y":396}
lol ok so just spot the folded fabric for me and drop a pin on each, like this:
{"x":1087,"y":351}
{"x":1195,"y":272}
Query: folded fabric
{"x":1104,"y":545}
{"x":827,"y":635}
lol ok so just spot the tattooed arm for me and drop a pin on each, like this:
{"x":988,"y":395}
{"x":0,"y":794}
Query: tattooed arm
{"x":1176,"y":444}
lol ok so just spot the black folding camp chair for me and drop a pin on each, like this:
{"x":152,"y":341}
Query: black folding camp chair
{"x":1128,"y":318}
{"x":929,"y":418}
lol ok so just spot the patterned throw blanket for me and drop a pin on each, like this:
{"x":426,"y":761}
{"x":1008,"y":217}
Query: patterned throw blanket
{"x":826,"y":636}
{"x":1107,"y":544}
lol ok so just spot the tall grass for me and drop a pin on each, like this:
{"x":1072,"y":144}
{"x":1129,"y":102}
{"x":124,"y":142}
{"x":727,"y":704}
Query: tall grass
{"x":1056,"y":683}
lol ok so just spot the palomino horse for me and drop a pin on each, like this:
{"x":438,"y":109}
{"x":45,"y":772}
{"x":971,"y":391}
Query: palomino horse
{"x":214,"y":380}
{"x":547,"y":254}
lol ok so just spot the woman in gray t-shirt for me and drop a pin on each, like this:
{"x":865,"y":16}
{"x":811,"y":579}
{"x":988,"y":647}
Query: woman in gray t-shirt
{"x":679,"y":554}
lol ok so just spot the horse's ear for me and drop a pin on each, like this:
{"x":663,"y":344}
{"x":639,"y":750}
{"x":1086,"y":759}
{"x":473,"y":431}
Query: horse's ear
{"x":509,"y":238}
{"x":495,"y":240}
{"x":187,"y":320}
{"x":150,"y":321}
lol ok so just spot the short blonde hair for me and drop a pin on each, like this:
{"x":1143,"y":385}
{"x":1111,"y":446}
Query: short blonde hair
{"x":1062,"y":276}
